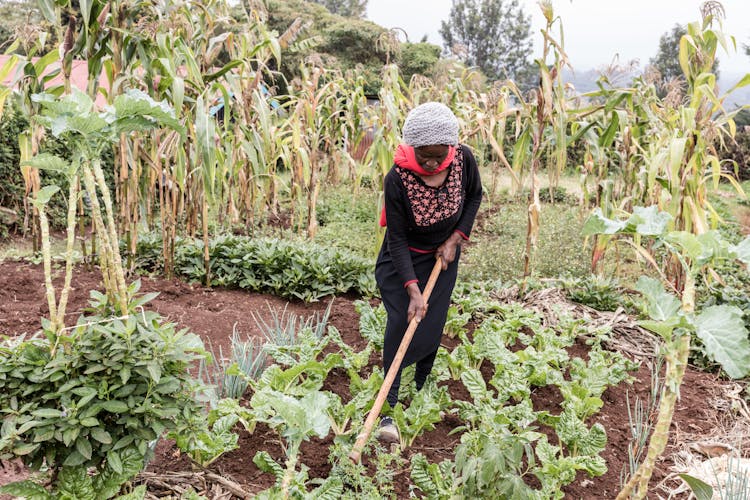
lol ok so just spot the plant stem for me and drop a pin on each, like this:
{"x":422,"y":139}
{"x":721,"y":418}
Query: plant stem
{"x":119,"y":274}
{"x":47,"y":258}
{"x":71,"y":232}
{"x":675,"y":371}
{"x":101,"y":233}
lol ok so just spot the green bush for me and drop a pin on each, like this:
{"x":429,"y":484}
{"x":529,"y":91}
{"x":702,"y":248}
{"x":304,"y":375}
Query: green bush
{"x":285,"y":268}
{"x":418,"y":59}
{"x":94,"y":398}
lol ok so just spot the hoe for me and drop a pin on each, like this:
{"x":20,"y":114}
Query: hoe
{"x":356,"y":452}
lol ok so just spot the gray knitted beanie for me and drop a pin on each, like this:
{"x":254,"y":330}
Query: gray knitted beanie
{"x":430,"y":124}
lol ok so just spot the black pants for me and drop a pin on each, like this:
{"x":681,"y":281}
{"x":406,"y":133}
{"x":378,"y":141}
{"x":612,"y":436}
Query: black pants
{"x":426,"y":341}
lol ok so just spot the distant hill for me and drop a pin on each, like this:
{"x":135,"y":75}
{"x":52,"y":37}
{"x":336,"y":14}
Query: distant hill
{"x":585,"y":81}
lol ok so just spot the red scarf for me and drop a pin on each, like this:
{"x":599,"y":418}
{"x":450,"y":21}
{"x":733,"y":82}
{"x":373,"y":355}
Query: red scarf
{"x":406,"y":158}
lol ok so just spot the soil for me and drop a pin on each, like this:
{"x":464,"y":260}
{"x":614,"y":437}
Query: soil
{"x":214,"y":313}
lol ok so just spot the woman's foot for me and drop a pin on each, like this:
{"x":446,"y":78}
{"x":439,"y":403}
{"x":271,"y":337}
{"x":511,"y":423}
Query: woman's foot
{"x":387,"y":431}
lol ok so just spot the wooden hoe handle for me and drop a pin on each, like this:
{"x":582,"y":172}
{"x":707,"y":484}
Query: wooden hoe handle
{"x":356,"y":452}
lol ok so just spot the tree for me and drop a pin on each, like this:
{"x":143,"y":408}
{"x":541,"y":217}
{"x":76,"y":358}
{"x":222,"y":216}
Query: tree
{"x":667,"y":58}
{"x":346,"y":8}
{"x":418,"y":58}
{"x":493,"y":35}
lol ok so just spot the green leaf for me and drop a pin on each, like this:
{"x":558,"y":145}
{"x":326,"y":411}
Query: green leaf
{"x":25,"y":449}
{"x":48,"y":10}
{"x":75,"y":482}
{"x":101,"y":435}
{"x":26,"y":489}
{"x":723,"y":333}
{"x":598,"y":224}
{"x":687,"y":242}
{"x":649,"y":221}
{"x":44,"y":195}
{"x":47,"y":161}
{"x":701,"y":490}
{"x":474,"y":382}
{"x":114,"y":461}
{"x":662,"y":328}
{"x":115,"y":406}
{"x":266,"y":463}
{"x":662,"y":306}
{"x":136,"y":103}
{"x":154,"y":370}
{"x":742,"y":251}
{"x":75,"y":458}
{"x":83,"y":446}
{"x":47,"y":413}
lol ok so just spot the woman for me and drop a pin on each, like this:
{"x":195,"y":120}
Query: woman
{"x":432,"y":195}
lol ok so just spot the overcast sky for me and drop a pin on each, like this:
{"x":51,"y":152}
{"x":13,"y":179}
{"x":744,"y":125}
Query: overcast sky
{"x":595,"y":30}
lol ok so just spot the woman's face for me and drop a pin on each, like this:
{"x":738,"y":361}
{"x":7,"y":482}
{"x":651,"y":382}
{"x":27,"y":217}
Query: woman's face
{"x":430,"y":157}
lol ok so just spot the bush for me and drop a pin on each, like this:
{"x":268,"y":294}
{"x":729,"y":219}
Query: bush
{"x":95,"y":399}
{"x":288,"y":269}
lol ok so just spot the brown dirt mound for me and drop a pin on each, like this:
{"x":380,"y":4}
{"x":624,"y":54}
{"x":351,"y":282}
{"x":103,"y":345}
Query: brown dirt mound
{"x":213,"y":313}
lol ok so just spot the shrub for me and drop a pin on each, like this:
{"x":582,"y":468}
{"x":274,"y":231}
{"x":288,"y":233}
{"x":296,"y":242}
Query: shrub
{"x":96,"y":398}
{"x":284,"y":268}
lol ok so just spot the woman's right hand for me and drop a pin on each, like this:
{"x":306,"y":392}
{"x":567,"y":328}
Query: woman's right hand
{"x":417,"y":306}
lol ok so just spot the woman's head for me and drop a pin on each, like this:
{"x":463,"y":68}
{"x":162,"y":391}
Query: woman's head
{"x":430,"y":124}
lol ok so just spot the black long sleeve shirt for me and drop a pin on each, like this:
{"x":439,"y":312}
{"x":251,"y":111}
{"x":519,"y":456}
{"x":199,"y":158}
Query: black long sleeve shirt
{"x":420,"y":218}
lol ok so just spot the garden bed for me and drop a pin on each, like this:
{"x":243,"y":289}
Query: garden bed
{"x":214,"y":313}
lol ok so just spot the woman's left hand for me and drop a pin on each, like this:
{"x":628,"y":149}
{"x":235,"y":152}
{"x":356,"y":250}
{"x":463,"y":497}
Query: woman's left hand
{"x":447,"y":251}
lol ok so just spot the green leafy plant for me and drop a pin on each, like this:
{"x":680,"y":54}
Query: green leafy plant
{"x":249,"y":358}
{"x":95,"y":396}
{"x":292,"y":339}
{"x":288,"y":269}
{"x":371,"y":322}
{"x":673,"y":317}
{"x":296,"y":419}
{"x":424,"y":411}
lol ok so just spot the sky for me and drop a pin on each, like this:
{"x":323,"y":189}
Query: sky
{"x":596,"y":31}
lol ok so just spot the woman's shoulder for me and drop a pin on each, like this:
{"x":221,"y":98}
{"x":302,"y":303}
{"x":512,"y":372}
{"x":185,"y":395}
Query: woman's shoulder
{"x":465,"y":150}
{"x":394,"y":176}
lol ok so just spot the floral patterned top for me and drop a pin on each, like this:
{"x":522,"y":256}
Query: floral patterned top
{"x":421,"y":217}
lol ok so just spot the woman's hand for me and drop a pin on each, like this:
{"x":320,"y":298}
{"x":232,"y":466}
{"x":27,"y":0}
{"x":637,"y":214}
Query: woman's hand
{"x":417,"y":306}
{"x":447,"y":251}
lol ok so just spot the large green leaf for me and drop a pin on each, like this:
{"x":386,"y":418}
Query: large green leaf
{"x":646,"y":221}
{"x":47,"y":161}
{"x":662,"y":306}
{"x":597,"y":223}
{"x":741,"y":251}
{"x":723,"y":333}
{"x":136,"y":103}
{"x":44,"y":195}
{"x":26,"y":489}
{"x":649,"y":221}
